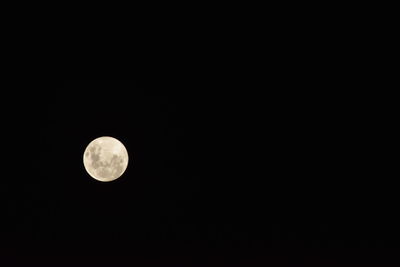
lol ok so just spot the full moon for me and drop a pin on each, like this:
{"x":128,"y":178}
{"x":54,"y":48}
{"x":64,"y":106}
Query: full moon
{"x":105,"y":159}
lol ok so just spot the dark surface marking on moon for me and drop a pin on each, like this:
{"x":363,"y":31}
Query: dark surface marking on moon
{"x":103,"y":172}
{"x":116,"y":163}
{"x":95,"y":156}
{"x":112,"y":168}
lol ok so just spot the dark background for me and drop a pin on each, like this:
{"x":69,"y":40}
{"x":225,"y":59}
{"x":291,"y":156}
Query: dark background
{"x":225,"y":169}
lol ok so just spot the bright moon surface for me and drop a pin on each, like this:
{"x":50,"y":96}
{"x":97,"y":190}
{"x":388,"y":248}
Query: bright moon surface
{"x":105,"y":159}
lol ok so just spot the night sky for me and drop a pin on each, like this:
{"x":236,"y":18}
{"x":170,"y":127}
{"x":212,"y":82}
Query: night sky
{"x":262,"y":172}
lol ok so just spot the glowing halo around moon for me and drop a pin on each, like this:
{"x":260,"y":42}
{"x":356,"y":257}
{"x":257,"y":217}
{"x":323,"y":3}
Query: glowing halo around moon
{"x":105,"y":159}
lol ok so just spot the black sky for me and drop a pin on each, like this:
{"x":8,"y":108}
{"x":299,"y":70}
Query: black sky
{"x":216,"y":177}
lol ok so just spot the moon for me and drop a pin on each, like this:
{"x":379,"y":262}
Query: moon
{"x":105,"y":159}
